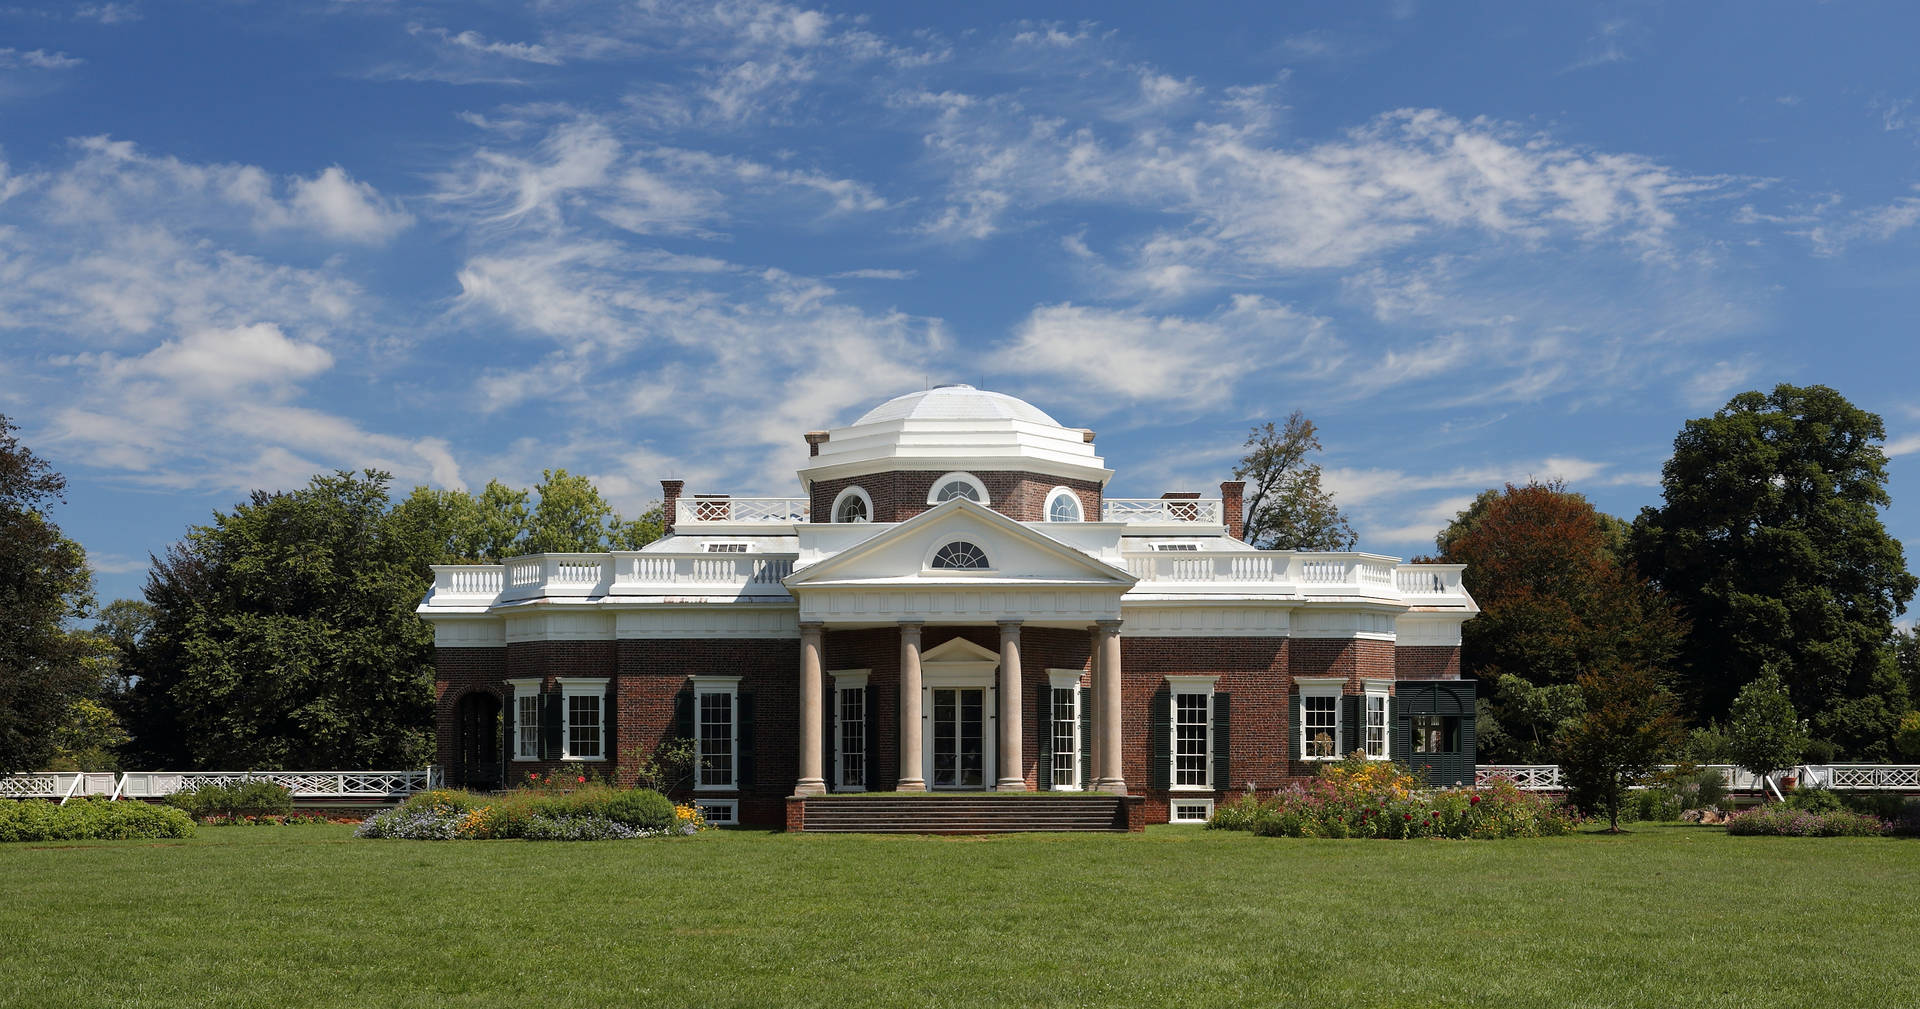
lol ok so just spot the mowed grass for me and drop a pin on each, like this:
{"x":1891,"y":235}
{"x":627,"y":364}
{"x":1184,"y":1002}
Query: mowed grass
{"x":1666,"y":916}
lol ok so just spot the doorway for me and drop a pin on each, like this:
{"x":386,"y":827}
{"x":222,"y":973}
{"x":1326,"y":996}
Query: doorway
{"x":477,"y":757}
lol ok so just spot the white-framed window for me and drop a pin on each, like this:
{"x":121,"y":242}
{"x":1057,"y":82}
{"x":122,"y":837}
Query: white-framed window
{"x":716,"y":730}
{"x":955,"y":485}
{"x":1319,"y":730}
{"x":526,"y":719}
{"x":1177,"y":547}
{"x":1189,"y":810}
{"x":1063,"y":505}
{"x":1191,"y":745}
{"x":727,"y":548}
{"x":583,"y":718}
{"x":850,"y":742}
{"x":853,"y":505}
{"x":960,"y":555}
{"x":1063,"y":726}
{"x":719,"y":812}
{"x":1373,"y":720}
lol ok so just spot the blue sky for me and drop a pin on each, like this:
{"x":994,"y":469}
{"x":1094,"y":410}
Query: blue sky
{"x":241,"y":244}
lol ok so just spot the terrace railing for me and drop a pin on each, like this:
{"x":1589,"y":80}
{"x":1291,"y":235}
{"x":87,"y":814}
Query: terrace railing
{"x":1840,"y":777}
{"x":1154,"y":511}
{"x":64,"y":785}
{"x":1363,"y":574}
{"x":782,"y":511}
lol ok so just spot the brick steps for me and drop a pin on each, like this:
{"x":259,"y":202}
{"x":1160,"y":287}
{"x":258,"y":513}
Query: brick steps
{"x":970,"y":815}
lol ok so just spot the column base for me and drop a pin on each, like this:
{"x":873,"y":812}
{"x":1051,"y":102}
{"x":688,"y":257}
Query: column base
{"x":1011,"y":785}
{"x":810,"y":786}
{"x":911,"y":785}
{"x":1111,"y":786}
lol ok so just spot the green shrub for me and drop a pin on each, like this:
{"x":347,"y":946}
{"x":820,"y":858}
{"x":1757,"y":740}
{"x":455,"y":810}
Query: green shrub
{"x":1694,"y":786}
{"x":90,"y":820}
{"x":588,"y":813}
{"x":1239,"y":814}
{"x":1814,"y":800}
{"x":1378,"y":799}
{"x":1652,"y":804}
{"x":1781,"y":820}
{"x":1884,"y":805}
{"x":241,"y":798}
{"x":637,"y":807}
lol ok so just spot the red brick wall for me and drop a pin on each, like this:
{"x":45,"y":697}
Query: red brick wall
{"x":901,"y":494}
{"x":1252,"y":670}
{"x":458,"y":672}
{"x":1427,"y":662}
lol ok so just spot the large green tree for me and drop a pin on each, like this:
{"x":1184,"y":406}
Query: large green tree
{"x":1771,"y":541}
{"x":283,"y":636}
{"x":44,"y":584}
{"x":567,"y":514}
{"x":1555,"y":603}
{"x":1286,"y":507}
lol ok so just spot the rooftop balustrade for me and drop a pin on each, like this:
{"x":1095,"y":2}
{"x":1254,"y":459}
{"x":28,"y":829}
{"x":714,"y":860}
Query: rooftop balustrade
{"x":1159,"y":511}
{"x":770,"y":511}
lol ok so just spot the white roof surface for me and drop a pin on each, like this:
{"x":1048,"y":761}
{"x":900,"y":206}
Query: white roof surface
{"x":956,"y":427}
{"x":956,"y":402}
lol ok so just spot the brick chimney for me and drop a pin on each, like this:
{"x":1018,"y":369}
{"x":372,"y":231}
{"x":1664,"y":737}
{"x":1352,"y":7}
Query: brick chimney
{"x":815,"y":439}
{"x":669,"y":503}
{"x":1232,"y":493}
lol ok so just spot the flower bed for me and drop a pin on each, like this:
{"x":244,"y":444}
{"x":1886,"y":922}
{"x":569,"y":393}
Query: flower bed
{"x":1781,"y":820}
{"x":592,"y":813}
{"x":89,"y":820}
{"x":1381,"y":799}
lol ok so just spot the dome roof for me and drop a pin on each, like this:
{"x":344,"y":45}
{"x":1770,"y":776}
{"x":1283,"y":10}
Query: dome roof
{"x":956,"y":402}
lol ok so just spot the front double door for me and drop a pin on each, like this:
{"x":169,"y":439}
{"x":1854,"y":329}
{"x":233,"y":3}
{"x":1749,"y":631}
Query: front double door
{"x":958,"y":718}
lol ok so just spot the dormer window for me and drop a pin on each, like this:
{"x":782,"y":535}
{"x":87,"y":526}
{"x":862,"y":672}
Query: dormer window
{"x":1063,"y":505}
{"x":1184,"y":547}
{"x":726,"y":548}
{"x":960,"y":556}
{"x":958,"y":485}
{"x":853,"y":505}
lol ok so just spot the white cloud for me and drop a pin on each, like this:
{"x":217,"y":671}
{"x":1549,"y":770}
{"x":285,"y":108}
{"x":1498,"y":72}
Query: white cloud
{"x":1904,"y":445}
{"x":474,"y":42}
{"x":1835,"y":232}
{"x":334,"y":204}
{"x":108,"y":13}
{"x":1712,"y":384}
{"x":219,"y":359}
{"x":36,"y":59}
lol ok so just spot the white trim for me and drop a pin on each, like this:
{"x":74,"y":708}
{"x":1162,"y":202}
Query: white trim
{"x":683,"y":620}
{"x":1173,"y":809}
{"x":524,"y":687}
{"x":1208,"y":621}
{"x":1320,"y":686}
{"x":1079,"y":509}
{"x":1069,"y":680}
{"x":730,"y":686}
{"x":1177,"y":686}
{"x":732,"y":806}
{"x":1377,"y":690}
{"x":581,"y":686}
{"x":972,"y":667}
{"x":964,"y":477}
{"x":833,"y":514}
{"x":845,"y":680}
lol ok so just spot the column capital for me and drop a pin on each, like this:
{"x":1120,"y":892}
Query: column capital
{"x":1108,"y":626}
{"x":1010,"y":626}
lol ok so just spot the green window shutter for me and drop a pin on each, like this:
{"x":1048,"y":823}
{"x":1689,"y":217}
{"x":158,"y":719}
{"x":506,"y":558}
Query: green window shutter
{"x":1399,"y":729}
{"x":1086,"y":738}
{"x":1352,"y":730}
{"x":550,"y":741}
{"x":869,"y":780}
{"x":683,"y":713}
{"x":610,"y":724}
{"x":1222,"y":741}
{"x":1043,"y":753}
{"x":1293,"y":728}
{"x":508,"y":751}
{"x":1159,"y":741}
{"x":743,"y":741}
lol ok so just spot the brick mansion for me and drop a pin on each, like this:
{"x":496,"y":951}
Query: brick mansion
{"x":952,"y":604}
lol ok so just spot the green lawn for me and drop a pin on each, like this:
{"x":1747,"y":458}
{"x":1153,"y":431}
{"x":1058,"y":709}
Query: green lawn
{"x":1667,"y":916}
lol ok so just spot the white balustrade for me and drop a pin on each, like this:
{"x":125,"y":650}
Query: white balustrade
{"x":1364,"y":574}
{"x":755,"y":510}
{"x":1158,"y":510}
{"x":751,"y":573}
{"x":1428,"y":579}
{"x":480,"y":580}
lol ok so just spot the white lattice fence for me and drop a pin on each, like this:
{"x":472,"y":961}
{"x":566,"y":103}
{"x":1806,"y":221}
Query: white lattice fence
{"x":1526,"y":777}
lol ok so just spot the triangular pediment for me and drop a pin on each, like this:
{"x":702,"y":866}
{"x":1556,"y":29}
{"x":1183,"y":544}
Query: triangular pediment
{"x":959,"y":650}
{"x":1015,"y":554}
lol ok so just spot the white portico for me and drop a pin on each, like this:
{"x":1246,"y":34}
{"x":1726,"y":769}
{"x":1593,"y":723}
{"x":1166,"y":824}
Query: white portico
{"x":958,"y":564}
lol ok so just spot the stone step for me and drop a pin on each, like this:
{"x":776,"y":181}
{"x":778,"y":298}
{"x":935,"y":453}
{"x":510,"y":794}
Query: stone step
{"x":924,"y":814}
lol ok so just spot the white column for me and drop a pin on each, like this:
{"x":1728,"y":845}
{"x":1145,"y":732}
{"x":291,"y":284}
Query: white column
{"x":1012,"y":777}
{"x":912,"y":775}
{"x":812,"y":711}
{"x":1108,"y":776}
{"x":1094,"y":726}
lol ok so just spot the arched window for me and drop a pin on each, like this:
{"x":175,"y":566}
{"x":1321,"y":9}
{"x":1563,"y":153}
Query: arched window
{"x":955,"y":485}
{"x":1063,"y":505}
{"x":853,"y":505}
{"x":960,"y":555}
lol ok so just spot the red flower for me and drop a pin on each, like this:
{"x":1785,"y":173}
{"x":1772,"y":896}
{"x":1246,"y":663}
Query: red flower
{"x":1473,"y":800}
{"x":582,"y":779}
{"x":1409,"y":816}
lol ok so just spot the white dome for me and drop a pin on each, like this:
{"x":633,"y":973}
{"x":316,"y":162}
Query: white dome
{"x":955,"y":427}
{"x":956,"y":402}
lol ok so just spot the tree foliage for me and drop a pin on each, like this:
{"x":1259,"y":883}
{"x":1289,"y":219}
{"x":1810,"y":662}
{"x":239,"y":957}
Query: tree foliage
{"x":567,"y":514}
{"x":1770,"y":539}
{"x":1555,"y":603}
{"x":1767,"y":735}
{"x":284,"y":636}
{"x":1628,"y":725}
{"x":44,"y":584}
{"x":1286,"y":508}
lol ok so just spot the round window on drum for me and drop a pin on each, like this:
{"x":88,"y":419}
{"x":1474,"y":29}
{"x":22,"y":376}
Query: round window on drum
{"x":1063,"y":505}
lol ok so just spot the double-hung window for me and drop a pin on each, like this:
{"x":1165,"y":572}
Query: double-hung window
{"x":1063,"y":726}
{"x":716,"y":729}
{"x":526,"y":719}
{"x":1319,"y":733}
{"x":1191,"y":747}
{"x":583,"y":721}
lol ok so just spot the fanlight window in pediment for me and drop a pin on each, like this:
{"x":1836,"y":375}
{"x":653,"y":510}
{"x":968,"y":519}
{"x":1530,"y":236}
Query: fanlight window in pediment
{"x":960,"y":556}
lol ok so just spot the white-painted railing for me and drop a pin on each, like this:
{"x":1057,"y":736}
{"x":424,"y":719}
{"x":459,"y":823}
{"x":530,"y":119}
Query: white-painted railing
{"x":754,"y":574}
{"x":1428,"y":579}
{"x":64,"y":785}
{"x":1868,"y":777}
{"x":1840,"y":777}
{"x":755,"y":510}
{"x":1162,"y":510}
{"x":1294,"y":571}
{"x":1526,"y":777}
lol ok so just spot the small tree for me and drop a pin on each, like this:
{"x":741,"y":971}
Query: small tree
{"x":665,"y":767}
{"x":1629,"y":724}
{"x":1908,"y":738}
{"x":1287,"y":509}
{"x":1767,"y":735}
